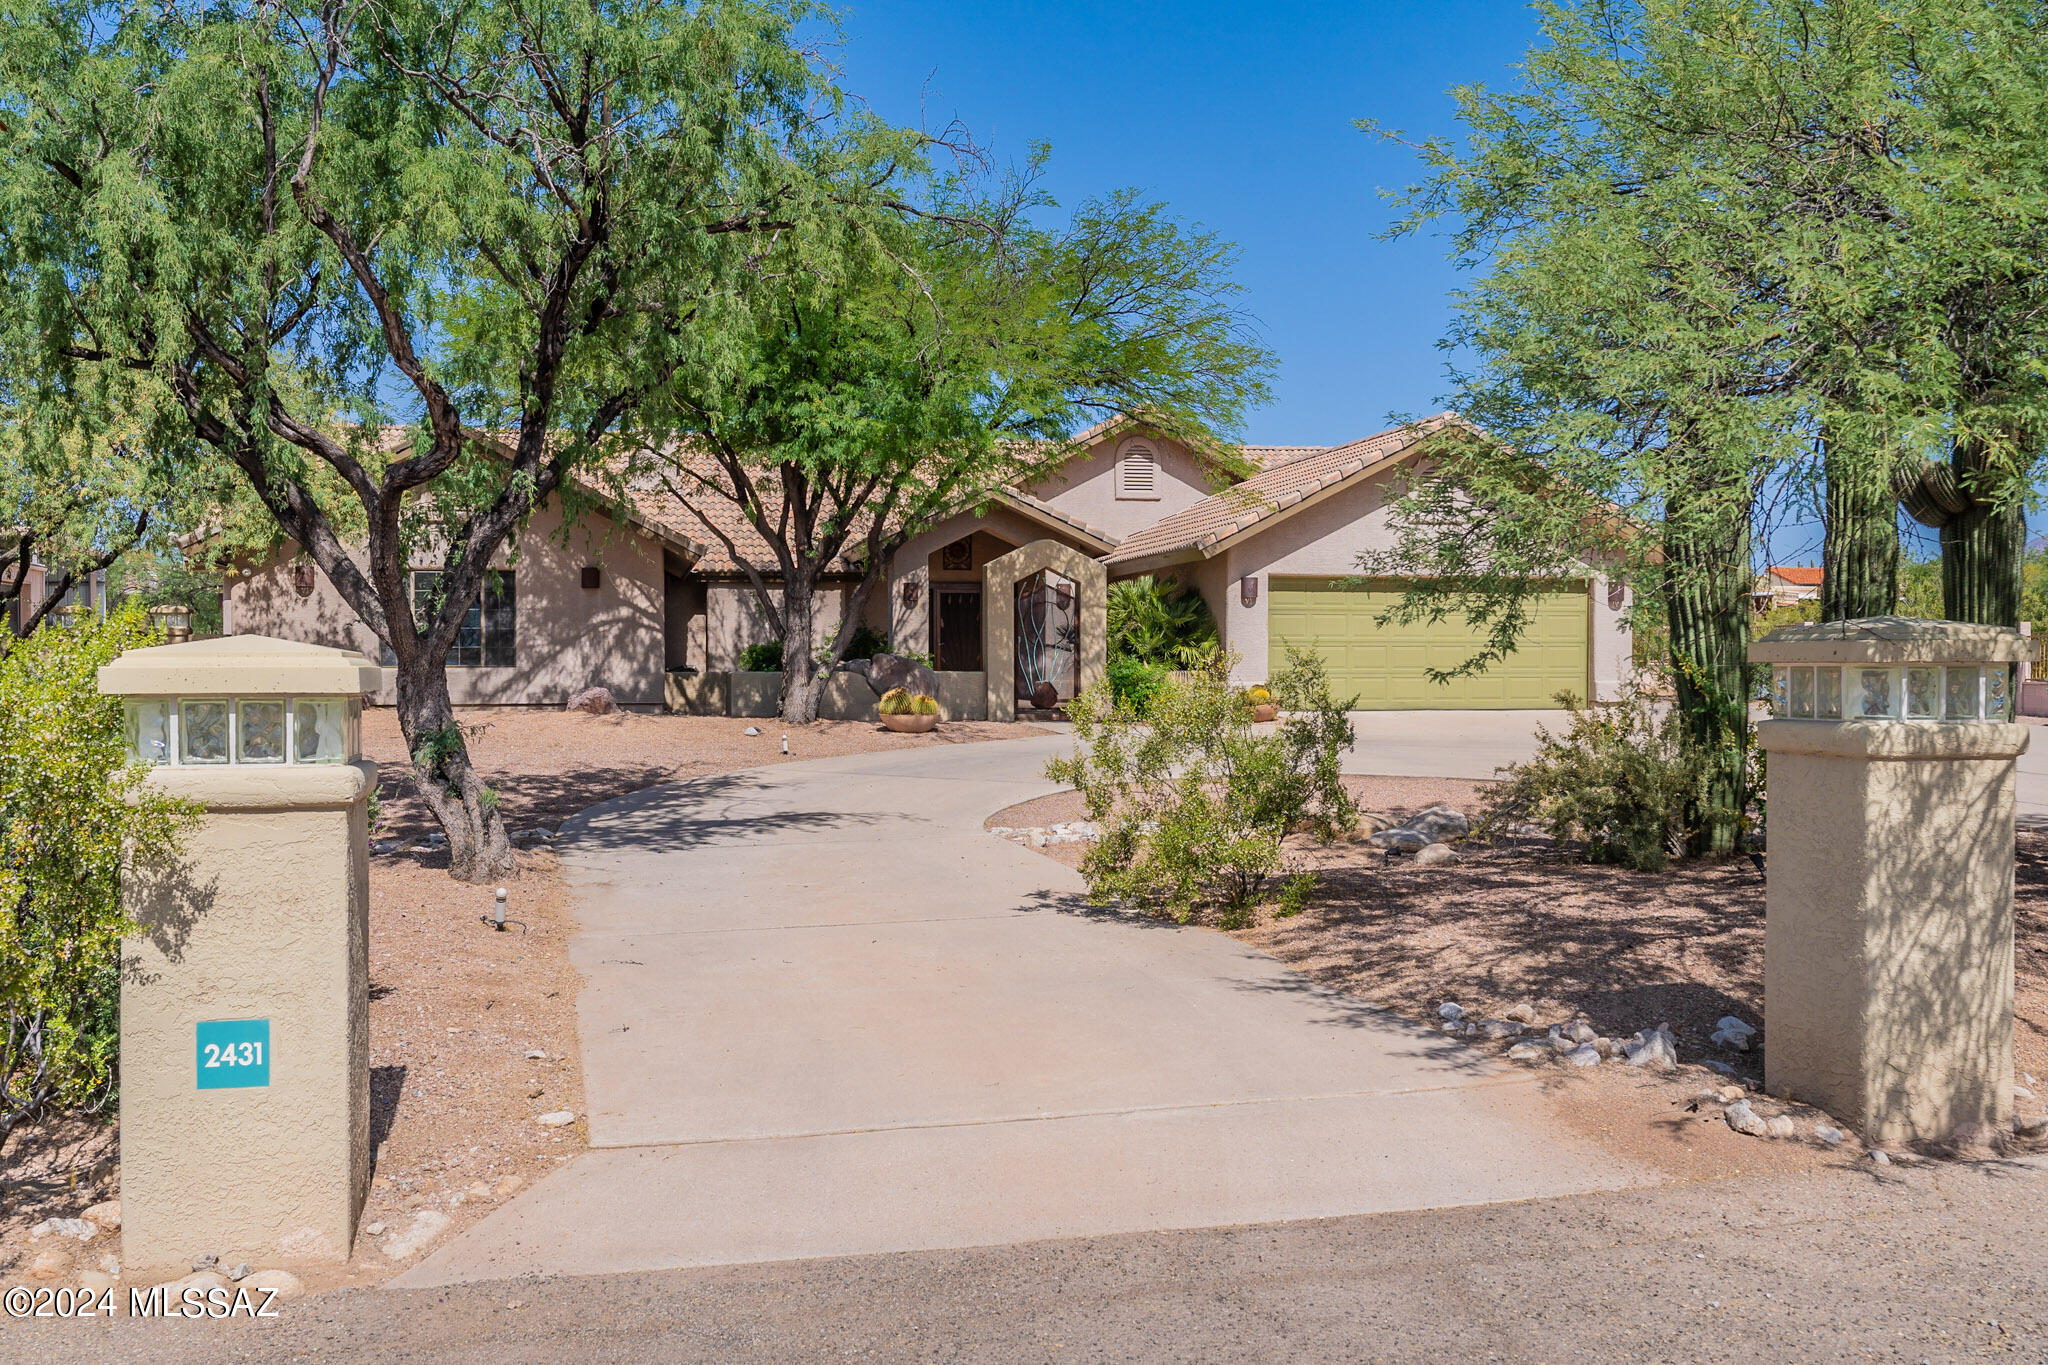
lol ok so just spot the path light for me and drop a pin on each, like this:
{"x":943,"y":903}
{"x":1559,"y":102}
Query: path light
{"x":498,"y":912}
{"x":176,"y":620}
{"x":1888,"y":929}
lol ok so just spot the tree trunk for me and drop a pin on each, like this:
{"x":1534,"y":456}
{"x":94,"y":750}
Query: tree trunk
{"x":1983,"y":549}
{"x":1860,"y":550}
{"x":479,"y":850}
{"x":1706,"y":593}
{"x":802,"y":684}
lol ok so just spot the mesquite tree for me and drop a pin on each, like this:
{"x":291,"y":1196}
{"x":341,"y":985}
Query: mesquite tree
{"x":405,"y":267}
{"x":905,"y":366}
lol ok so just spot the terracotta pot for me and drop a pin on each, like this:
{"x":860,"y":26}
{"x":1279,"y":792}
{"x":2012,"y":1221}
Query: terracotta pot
{"x":910,"y":725}
{"x":1266,"y":711}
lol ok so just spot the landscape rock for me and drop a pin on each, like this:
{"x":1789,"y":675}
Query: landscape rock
{"x":286,"y":1284}
{"x":106,"y":1215}
{"x":1523,"y":1013}
{"x":561,"y":1118}
{"x":2033,"y":1127}
{"x":592,"y":701}
{"x":1881,"y":1158}
{"x":48,"y":1265}
{"x":2020,"y":1092}
{"x":1832,"y":1136}
{"x":1450,"y":1009}
{"x":1579,"y":1031}
{"x":79,"y":1229}
{"x":859,"y":666}
{"x":1746,"y":1120}
{"x":202,"y":1279}
{"x":1654,"y":1048}
{"x":1497,"y":1029}
{"x":1609,"y":1047}
{"x":1733,"y":1033}
{"x":1585,"y":1054}
{"x":239,"y":1273}
{"x":1440,"y":822}
{"x":479,"y":1192}
{"x":1722,"y":1067}
{"x":1435,"y":855}
{"x":1371,"y":822}
{"x":751,"y":730}
{"x":1780,"y":1126}
{"x":1529,"y":1052}
{"x":205,"y":1262}
{"x":1399,"y":837}
{"x":508,"y":1186}
{"x":427,"y":1224}
{"x":888,"y":671}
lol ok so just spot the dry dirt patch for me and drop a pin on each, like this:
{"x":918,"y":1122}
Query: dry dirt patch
{"x":1522,"y":923}
{"x":455,"y":1006}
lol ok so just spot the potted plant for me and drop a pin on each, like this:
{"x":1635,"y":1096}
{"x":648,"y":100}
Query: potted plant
{"x":1262,"y":703}
{"x":907,"y":712}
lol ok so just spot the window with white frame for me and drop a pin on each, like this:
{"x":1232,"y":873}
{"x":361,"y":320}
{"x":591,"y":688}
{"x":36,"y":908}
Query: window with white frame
{"x":1137,"y":473}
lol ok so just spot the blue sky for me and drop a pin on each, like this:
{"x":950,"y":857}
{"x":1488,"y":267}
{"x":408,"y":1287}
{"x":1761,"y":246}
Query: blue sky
{"x":1242,"y":118}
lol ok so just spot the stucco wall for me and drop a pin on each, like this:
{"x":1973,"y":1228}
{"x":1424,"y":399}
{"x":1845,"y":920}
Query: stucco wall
{"x":1085,"y":488}
{"x":733,"y":620}
{"x":1327,"y":540}
{"x":1001,"y":531}
{"x":568,"y":637}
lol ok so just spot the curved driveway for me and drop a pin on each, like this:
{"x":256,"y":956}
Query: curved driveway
{"x":824,"y":1013}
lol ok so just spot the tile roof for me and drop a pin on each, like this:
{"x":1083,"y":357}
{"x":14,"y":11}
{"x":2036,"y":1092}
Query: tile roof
{"x":1800,"y":575}
{"x":1277,"y":487}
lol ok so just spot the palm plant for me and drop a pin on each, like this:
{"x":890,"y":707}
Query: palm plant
{"x":1159,"y":621}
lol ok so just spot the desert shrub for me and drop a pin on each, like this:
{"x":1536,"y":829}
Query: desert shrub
{"x":765,"y":657}
{"x":1617,"y":779}
{"x":1160,"y":622}
{"x":72,"y":815}
{"x":1304,"y":680}
{"x":1133,"y":682}
{"x":1193,"y":802}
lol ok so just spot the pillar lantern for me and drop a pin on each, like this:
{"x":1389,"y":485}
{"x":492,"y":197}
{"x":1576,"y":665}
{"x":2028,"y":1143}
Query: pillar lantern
{"x":244,"y":996}
{"x":1888,"y":958}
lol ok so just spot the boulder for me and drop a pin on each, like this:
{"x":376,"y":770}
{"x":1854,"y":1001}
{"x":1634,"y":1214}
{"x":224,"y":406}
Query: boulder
{"x":1580,"y":1031}
{"x":1746,"y":1120}
{"x":1439,"y":823}
{"x":1399,"y":837}
{"x":1732,"y":1032}
{"x":106,"y":1216}
{"x":859,"y":666}
{"x":1585,"y":1054}
{"x":81,"y":1229}
{"x":1529,"y":1052}
{"x":282,"y":1282}
{"x":1497,"y":1029}
{"x":1435,"y":855}
{"x":1450,"y":1009}
{"x":592,"y":701}
{"x":1523,"y":1013}
{"x":887,"y":671}
{"x":1654,"y":1048}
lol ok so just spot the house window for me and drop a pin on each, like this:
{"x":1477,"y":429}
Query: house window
{"x":1137,"y":473}
{"x":489,"y":634}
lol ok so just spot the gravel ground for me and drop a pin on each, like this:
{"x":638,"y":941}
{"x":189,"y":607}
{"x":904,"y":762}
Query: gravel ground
{"x":454,"y":1006}
{"x":1523,"y":924}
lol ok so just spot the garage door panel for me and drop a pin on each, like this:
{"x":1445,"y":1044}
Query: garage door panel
{"x":1388,"y":666}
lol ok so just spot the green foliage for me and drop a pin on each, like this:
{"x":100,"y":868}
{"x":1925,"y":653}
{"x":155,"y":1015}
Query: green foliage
{"x":1620,"y":778}
{"x":73,"y":815}
{"x":866,"y":643}
{"x":1158,"y":621}
{"x":1133,"y":682}
{"x":1303,"y":681}
{"x":917,"y":656}
{"x":763,"y":656}
{"x":1193,"y":802}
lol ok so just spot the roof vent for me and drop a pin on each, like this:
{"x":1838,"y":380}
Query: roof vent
{"x":1137,"y":473}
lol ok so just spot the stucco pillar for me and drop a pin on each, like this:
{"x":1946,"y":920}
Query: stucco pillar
{"x":1888,"y":967}
{"x":245,"y":1101}
{"x":999,"y":579}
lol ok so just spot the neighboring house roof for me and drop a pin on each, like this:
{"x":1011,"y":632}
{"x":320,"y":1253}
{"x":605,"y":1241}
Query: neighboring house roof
{"x":1798,"y":575}
{"x":1267,"y":457}
{"x":1276,"y":492}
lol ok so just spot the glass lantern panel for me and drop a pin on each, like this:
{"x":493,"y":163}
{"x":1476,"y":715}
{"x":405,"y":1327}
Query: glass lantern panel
{"x":1827,"y":702}
{"x":1998,"y":693}
{"x":1781,"y":691}
{"x":260,"y":736}
{"x":1802,"y":693}
{"x":1876,"y":691}
{"x":203,"y":732}
{"x":1959,"y":694}
{"x":320,"y":731}
{"x":149,"y":731}
{"x":1923,"y":693}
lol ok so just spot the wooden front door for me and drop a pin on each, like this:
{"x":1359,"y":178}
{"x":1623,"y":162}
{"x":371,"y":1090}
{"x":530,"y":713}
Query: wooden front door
{"x":958,"y":647}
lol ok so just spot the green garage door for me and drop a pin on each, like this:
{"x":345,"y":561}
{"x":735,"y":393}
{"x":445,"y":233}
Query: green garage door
{"x":1387,"y":665}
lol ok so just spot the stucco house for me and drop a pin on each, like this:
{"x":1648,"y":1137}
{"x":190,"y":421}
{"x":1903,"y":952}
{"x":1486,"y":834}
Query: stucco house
{"x":646,"y":601}
{"x":1786,"y":585}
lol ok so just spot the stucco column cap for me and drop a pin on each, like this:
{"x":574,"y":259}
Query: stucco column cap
{"x":1890,"y":640}
{"x":240,"y":666}
{"x":1890,"y":740}
{"x":247,"y":787}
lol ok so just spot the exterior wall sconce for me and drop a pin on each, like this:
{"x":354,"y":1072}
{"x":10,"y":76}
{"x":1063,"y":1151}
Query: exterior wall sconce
{"x":911,"y":592}
{"x":591,"y":576}
{"x":176,"y":619}
{"x":302,"y":579}
{"x":1248,"y":590}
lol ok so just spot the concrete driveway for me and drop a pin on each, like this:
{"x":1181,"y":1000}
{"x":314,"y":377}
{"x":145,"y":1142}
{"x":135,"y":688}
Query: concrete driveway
{"x":1468,"y":744}
{"x":826,"y":1014}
